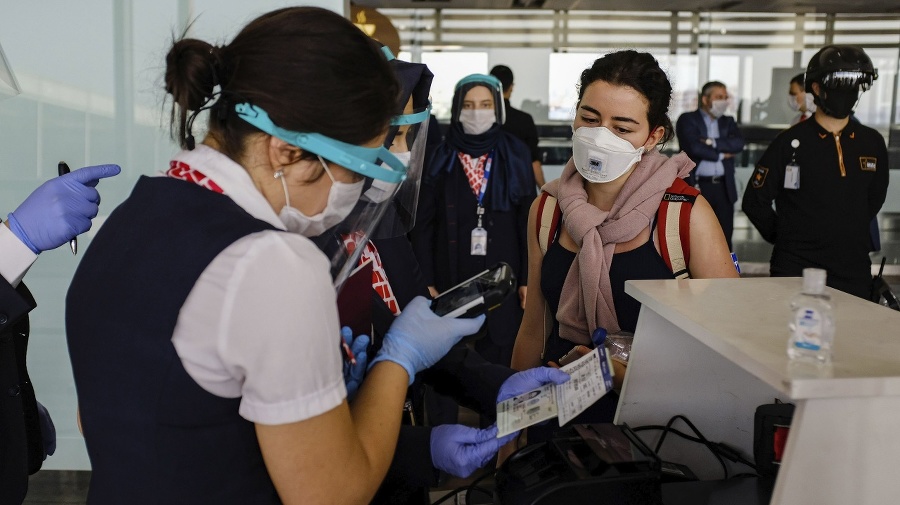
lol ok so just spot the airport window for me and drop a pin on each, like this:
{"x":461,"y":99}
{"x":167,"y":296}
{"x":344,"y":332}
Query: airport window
{"x":448,"y":68}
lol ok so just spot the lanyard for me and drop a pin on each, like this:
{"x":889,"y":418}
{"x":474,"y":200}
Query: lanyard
{"x":484,"y":181}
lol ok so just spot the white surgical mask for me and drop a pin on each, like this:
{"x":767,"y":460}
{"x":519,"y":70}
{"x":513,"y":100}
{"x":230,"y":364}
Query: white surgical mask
{"x":477,"y":121}
{"x":602,"y":156}
{"x":810,"y":103}
{"x":380,"y":190}
{"x":717,"y":109}
{"x":342,"y":197}
{"x":792,"y":103}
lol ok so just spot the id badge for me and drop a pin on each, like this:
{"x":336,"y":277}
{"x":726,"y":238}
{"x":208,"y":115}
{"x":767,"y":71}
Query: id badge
{"x":792,"y":176}
{"x":479,"y":242}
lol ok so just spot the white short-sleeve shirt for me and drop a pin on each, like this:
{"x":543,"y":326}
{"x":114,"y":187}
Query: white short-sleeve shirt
{"x":261,"y":322}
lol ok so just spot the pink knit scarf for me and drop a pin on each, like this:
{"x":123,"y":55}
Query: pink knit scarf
{"x":586,"y":302}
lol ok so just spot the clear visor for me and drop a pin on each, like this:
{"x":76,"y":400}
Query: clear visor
{"x":344,"y":243}
{"x":9,"y":86}
{"x":848,"y":80}
{"x":347,"y":244}
{"x":407,"y":138}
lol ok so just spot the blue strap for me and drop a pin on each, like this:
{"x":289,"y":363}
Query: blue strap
{"x":362,"y":160}
{"x":484,"y":180}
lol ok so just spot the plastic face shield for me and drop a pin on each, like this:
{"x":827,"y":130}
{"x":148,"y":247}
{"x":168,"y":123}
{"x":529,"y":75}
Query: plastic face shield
{"x":408,"y":134}
{"x":9,"y":86}
{"x":344,"y":243}
{"x":848,"y":80}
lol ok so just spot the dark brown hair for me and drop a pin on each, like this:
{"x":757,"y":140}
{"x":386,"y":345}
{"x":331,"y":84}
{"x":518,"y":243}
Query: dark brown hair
{"x":310,"y":69}
{"x":641,"y":72}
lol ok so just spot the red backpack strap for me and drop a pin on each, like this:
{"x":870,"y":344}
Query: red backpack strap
{"x":673,"y":227}
{"x":547,"y":222}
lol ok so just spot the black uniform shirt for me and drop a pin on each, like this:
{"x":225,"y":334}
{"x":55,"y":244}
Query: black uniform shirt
{"x":521,"y":125}
{"x":825,"y":223}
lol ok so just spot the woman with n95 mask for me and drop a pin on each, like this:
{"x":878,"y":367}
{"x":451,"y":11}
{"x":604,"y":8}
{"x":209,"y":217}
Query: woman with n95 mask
{"x":202,"y":324}
{"x":608,"y":196}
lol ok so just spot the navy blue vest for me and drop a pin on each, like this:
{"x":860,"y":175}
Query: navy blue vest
{"x":154,"y":436}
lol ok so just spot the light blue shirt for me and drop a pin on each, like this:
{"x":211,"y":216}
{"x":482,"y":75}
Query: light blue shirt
{"x":711,"y":168}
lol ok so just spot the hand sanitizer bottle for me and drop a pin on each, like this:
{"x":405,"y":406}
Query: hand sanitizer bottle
{"x":812,"y":320}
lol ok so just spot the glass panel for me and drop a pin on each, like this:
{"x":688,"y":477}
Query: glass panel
{"x":448,"y":69}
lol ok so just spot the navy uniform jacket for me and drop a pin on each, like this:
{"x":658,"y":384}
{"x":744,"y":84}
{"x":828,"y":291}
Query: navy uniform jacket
{"x":824,"y":223}
{"x":691,"y":132}
{"x":462,"y":373}
{"x":446,"y":216}
{"x":153,"y":434}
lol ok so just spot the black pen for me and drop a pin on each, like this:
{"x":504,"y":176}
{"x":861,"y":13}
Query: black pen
{"x":63,"y":169}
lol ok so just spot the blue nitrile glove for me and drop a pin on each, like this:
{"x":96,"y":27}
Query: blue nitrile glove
{"x":60,"y":209}
{"x":529,"y":380}
{"x":354,"y":374}
{"x":418,"y":338}
{"x":460,"y":450}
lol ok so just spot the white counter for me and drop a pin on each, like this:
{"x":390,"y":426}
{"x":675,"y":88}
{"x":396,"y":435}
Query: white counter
{"x":714,"y":350}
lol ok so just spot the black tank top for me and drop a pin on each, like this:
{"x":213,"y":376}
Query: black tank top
{"x":640,"y":263}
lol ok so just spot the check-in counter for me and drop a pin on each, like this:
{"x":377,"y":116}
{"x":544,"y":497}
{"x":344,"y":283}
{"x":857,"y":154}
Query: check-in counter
{"x":713,"y":350}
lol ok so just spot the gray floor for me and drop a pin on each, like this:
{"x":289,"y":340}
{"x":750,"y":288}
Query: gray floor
{"x":51,"y":487}
{"x":68,"y":488}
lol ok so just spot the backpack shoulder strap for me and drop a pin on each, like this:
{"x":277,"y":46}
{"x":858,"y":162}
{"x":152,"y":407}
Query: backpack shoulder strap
{"x":547,"y":227}
{"x":673,"y":227}
{"x":547,"y":222}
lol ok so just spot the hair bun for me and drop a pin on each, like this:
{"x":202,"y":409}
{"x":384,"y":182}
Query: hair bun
{"x":191,"y":68}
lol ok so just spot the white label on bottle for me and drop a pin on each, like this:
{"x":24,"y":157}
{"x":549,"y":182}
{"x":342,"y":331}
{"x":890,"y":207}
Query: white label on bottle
{"x":808,"y":329}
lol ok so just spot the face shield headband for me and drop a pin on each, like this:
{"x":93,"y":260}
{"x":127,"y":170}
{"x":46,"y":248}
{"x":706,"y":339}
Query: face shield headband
{"x":362,"y":160}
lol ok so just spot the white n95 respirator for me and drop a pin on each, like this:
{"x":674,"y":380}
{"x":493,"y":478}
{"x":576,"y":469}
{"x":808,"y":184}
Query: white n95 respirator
{"x":602,"y":156}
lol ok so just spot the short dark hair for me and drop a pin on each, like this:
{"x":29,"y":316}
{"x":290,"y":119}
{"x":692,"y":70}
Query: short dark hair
{"x":641,"y":72}
{"x":504,"y":74}
{"x":302,"y":65}
{"x":798,"y":79}
{"x":705,"y":91}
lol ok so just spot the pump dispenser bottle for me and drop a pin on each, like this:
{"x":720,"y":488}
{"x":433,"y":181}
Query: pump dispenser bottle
{"x":812,"y":320}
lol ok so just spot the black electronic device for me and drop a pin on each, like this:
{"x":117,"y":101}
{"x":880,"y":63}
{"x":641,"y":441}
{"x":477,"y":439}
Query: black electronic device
{"x":583,"y":464}
{"x":477,"y":295}
{"x":771,"y":426}
{"x":882,"y":291}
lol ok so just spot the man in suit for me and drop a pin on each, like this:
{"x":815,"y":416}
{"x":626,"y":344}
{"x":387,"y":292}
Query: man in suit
{"x":51,"y":216}
{"x":712,"y":140}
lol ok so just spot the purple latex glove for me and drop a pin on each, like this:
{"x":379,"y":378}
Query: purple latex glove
{"x":60,"y":209}
{"x":354,"y":374}
{"x":529,"y":380}
{"x":460,"y":450}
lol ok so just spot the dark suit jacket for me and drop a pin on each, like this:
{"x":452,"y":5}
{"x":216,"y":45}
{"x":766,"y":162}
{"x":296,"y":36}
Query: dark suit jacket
{"x":20,"y":436}
{"x":691,"y":132}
